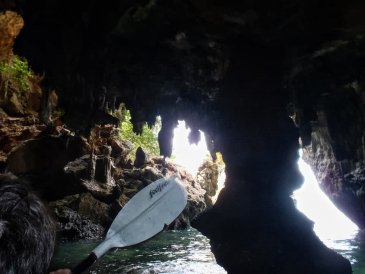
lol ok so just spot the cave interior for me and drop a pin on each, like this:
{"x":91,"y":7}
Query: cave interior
{"x":260,"y":78}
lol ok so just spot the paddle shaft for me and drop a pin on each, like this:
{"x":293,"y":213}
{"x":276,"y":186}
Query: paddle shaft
{"x":85,"y":264}
{"x":99,"y":251}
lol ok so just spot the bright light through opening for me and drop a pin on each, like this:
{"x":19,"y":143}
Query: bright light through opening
{"x":191,"y":156}
{"x":330,"y":223}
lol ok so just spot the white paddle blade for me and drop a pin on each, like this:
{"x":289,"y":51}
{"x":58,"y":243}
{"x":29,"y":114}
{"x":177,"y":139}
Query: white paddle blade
{"x":147,"y":212}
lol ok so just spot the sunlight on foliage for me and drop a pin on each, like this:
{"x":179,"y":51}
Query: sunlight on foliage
{"x":15,"y":74}
{"x":147,"y":140}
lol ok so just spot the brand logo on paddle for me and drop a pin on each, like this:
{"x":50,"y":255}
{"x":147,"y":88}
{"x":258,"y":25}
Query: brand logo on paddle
{"x":158,"y":188}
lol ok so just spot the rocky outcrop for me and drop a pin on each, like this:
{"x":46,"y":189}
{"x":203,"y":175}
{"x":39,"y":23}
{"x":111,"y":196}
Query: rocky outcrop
{"x":329,"y":110}
{"x":13,"y":131}
{"x":89,"y":181}
{"x":10,"y":25}
{"x":80,"y":217}
{"x":207,"y":177}
{"x":20,"y":93}
{"x":42,"y":162}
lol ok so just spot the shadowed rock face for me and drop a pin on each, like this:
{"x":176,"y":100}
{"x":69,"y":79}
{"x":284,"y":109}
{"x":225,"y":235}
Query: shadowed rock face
{"x":330,"y":116}
{"x":221,"y":66}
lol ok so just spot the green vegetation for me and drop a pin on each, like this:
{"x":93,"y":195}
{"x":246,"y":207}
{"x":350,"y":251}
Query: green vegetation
{"x":147,"y":140}
{"x":15,"y":75}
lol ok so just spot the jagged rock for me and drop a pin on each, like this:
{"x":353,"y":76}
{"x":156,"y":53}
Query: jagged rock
{"x":101,"y":169}
{"x":207,"y":177}
{"x":134,"y":173}
{"x":13,"y":131}
{"x":106,"y":192}
{"x":196,"y":196}
{"x":14,"y":106}
{"x":331,"y":123}
{"x":44,"y":154}
{"x":76,"y":225}
{"x":120,"y":147}
{"x":80,"y":168}
{"x":10,"y":25}
{"x":151,"y":174}
{"x":141,"y":158}
{"x":94,"y":174}
{"x":96,"y":211}
{"x":132,"y":186}
{"x":42,"y":160}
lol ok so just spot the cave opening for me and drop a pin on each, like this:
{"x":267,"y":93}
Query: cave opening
{"x":331,"y":225}
{"x":195,"y":157}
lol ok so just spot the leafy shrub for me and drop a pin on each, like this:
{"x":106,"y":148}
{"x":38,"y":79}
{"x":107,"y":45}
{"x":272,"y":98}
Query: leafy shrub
{"x":15,"y":74}
{"x":147,"y":140}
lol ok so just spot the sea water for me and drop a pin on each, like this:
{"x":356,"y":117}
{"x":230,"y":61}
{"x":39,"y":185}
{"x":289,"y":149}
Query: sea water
{"x":179,"y":252}
{"x":174,"y":252}
{"x":352,"y":248}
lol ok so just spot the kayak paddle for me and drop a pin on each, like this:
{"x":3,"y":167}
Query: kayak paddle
{"x":144,"y":216}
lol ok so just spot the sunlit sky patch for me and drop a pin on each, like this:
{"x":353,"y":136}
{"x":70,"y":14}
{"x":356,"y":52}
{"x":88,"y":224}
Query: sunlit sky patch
{"x":330,"y":223}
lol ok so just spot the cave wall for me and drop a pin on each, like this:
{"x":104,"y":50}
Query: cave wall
{"x":330,"y":115}
{"x":226,"y":68}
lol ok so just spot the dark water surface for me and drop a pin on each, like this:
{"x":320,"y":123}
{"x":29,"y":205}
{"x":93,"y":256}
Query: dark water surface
{"x":174,"y":252}
{"x":180,"y":252}
{"x":353,"y":249}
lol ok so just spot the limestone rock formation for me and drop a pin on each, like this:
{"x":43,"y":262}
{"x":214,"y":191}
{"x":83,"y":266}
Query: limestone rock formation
{"x":86,"y":180}
{"x":10,"y":25}
{"x":331,"y":121}
{"x":223,"y":67}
